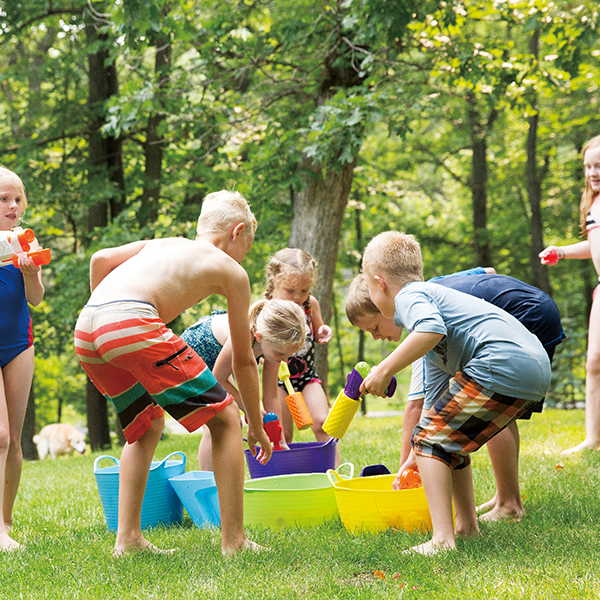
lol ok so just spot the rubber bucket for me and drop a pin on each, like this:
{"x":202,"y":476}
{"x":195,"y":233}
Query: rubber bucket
{"x":160,"y":505}
{"x":301,"y":499}
{"x":302,"y":457}
{"x":197,"y":491}
{"x":370,"y":504}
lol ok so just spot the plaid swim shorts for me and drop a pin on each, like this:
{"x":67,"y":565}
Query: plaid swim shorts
{"x":463,"y":419}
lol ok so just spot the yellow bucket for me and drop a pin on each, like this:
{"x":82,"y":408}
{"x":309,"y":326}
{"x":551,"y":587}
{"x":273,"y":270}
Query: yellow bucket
{"x":370,"y":504}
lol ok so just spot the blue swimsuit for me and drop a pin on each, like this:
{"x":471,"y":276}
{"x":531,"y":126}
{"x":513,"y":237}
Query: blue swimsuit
{"x":15,"y":322}
{"x":201,"y":338}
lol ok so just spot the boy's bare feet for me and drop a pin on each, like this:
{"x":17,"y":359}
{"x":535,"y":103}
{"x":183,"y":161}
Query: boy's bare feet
{"x":429,"y":548}
{"x":7,"y":544}
{"x":486,"y":505}
{"x":503,"y":513}
{"x":585,"y":445}
{"x":142,"y":545}
{"x":247,"y":545}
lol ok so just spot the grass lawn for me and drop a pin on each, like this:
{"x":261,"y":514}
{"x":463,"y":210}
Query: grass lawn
{"x":554,"y":553}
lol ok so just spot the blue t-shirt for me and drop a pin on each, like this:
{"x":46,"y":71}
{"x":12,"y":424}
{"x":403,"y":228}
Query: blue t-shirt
{"x":483,"y":341}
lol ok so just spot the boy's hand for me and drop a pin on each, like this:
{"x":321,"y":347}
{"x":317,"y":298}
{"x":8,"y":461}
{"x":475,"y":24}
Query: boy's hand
{"x":259,"y":436}
{"x":409,"y":463}
{"x":376,"y":382}
{"x":324,"y":334}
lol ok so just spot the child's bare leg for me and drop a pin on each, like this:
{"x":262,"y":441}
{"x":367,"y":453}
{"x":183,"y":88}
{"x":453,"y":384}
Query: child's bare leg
{"x":17,"y":382}
{"x":6,"y":542}
{"x":228,"y":462}
{"x":504,"y":454}
{"x":316,"y":402}
{"x":437,"y":482}
{"x":205,"y":450}
{"x":136,"y":460}
{"x":463,"y":496}
{"x":592,"y":385}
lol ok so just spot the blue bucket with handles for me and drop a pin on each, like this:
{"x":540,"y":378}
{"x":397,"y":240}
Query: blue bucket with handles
{"x":161,"y":504}
{"x":197,"y":491}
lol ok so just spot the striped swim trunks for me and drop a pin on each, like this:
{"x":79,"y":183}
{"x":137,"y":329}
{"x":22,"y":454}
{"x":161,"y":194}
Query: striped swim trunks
{"x":464,"y":418}
{"x":141,"y":366}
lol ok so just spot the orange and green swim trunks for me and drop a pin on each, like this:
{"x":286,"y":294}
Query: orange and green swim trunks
{"x":142,"y":367}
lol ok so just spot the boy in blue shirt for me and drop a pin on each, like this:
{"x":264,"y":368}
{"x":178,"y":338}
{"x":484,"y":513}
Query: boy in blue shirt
{"x":483,"y":370}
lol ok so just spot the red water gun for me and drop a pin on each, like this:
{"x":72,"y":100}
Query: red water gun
{"x":15,"y":242}
{"x":273,"y":429}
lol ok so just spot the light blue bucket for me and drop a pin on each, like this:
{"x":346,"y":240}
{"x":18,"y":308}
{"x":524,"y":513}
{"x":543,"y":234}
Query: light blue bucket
{"x":161,"y":504}
{"x":197,"y":491}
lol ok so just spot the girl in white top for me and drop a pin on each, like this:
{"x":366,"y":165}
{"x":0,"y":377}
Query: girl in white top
{"x":590,"y":248}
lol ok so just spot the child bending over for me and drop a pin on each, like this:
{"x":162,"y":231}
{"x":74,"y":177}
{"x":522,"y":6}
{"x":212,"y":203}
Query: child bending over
{"x":276,"y":332}
{"x":532,"y":307}
{"x":142,"y":367}
{"x":484,"y":369}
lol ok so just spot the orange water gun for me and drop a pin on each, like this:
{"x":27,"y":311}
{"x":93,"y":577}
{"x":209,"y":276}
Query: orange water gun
{"x":15,"y":242}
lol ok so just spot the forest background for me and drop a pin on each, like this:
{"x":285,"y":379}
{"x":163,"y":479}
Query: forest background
{"x":460,"y":122}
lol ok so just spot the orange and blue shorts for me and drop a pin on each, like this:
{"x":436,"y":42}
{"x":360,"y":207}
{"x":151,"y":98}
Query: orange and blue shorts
{"x":141,"y":366}
{"x":463,"y":419}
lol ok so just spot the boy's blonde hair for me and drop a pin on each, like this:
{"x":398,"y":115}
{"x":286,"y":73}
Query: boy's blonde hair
{"x":280,"y":322}
{"x":588,"y":196}
{"x":7,"y":174}
{"x":224,"y":209}
{"x":396,"y":255}
{"x":358,"y":301}
{"x":289,"y":262}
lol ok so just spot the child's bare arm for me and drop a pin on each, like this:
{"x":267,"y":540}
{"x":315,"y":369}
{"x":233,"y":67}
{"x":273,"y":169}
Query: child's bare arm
{"x":106,"y":260}
{"x":323,"y":332}
{"x":223,"y":370}
{"x":416,"y":344}
{"x":236,"y":289}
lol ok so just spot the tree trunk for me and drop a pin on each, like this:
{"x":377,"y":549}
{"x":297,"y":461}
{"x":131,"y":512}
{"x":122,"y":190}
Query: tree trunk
{"x":97,"y":418}
{"x":29,"y":429}
{"x":478,"y":184}
{"x":316,"y":229}
{"x":535,"y":178}
{"x":106,"y":167}
{"x":153,"y":148}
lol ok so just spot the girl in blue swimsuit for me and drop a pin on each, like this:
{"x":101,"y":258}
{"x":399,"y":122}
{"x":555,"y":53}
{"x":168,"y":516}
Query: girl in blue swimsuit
{"x":18,"y":286}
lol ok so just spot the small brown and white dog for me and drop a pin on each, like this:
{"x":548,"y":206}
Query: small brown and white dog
{"x":59,"y":438}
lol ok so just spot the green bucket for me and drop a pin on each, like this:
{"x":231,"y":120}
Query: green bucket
{"x":301,"y":499}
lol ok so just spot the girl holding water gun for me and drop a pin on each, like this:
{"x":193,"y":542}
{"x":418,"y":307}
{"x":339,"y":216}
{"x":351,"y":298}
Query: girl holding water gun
{"x":589,"y":220}
{"x":290,"y":275}
{"x":19,"y":285}
{"x":277,"y":331}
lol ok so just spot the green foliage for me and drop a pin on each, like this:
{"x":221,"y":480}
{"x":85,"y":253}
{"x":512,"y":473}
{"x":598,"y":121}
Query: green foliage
{"x":256,"y":89}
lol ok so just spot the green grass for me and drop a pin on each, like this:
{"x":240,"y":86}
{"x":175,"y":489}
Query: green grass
{"x":553,"y":553}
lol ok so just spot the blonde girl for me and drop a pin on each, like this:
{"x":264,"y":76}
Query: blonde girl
{"x":277,"y":330}
{"x":589,"y":220}
{"x":20,"y":286}
{"x":290,"y":275}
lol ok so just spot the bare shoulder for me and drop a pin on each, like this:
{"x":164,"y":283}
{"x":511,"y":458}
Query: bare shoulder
{"x":314,"y":303}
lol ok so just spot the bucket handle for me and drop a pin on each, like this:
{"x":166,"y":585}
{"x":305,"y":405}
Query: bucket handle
{"x":331,"y":472}
{"x":163,"y":462}
{"x":99,"y":458}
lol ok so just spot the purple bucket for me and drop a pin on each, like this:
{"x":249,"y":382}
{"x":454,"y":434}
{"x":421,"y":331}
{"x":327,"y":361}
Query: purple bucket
{"x":302,"y":457}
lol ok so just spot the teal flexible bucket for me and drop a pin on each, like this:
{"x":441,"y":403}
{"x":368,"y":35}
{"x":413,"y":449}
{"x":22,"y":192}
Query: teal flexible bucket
{"x":161,"y":504}
{"x":197,"y":491}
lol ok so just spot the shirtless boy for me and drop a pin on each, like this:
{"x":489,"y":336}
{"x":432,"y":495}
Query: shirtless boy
{"x":142,"y":367}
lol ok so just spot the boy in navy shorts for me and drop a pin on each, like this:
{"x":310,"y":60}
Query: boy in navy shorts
{"x":484,"y":369}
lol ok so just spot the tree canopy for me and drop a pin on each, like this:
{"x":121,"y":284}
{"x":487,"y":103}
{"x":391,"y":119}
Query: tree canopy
{"x":460,"y":122}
